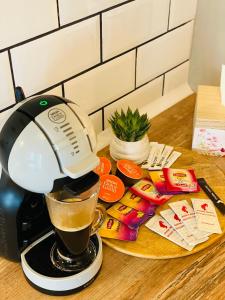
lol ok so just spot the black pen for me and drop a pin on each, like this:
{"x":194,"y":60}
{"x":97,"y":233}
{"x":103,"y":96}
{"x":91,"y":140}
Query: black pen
{"x":212,"y":195}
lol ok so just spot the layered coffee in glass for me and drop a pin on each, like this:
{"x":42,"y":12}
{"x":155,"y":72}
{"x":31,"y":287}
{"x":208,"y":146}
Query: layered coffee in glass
{"x":76,"y":216}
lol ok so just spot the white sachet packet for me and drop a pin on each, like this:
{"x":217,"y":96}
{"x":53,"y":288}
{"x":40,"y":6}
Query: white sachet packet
{"x":206,"y":216}
{"x":152,"y":150}
{"x":186,"y":213}
{"x":163,"y":228}
{"x":172,"y":218}
{"x":165,"y":154}
{"x":171,"y":159}
{"x":157,"y":156}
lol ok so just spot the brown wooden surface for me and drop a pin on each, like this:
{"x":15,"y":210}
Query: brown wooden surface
{"x":124,"y":277}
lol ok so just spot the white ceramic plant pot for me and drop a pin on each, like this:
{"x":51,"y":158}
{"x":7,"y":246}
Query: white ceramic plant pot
{"x":135,"y":151}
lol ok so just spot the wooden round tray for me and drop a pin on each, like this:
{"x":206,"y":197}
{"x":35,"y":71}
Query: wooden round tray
{"x":150,"y":244}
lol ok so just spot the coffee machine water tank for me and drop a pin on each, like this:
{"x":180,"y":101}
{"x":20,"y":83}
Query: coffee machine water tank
{"x":44,"y":139}
{"x":45,"y":142}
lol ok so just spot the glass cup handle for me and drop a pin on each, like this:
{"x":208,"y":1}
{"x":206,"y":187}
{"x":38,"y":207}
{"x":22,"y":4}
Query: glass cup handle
{"x":99,"y":218}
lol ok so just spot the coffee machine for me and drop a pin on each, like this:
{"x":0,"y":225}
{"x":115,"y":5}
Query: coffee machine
{"x":47,"y":143}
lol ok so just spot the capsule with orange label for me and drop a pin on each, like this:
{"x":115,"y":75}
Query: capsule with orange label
{"x":128,"y":172}
{"x":104,"y":167}
{"x":112,"y":188}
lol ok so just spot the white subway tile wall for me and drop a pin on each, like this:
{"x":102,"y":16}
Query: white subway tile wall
{"x":24,"y":19}
{"x":72,"y":10}
{"x":164,"y":53}
{"x":7,"y":96}
{"x":57,"y":91}
{"x":104,"y":84}
{"x":137,"y":99}
{"x":57,"y":56}
{"x":130,"y":25}
{"x":102,"y":54}
{"x":176,"y":77}
{"x":182,"y":11}
{"x":96,"y":119}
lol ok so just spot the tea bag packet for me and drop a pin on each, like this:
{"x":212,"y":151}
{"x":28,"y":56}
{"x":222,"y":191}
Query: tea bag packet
{"x":172,"y":218}
{"x":138,"y":203}
{"x":147,"y":191}
{"x":163,"y":228}
{"x":158,"y":179}
{"x":180,"y":180}
{"x":127,"y":215}
{"x":113,"y":229}
{"x":186,"y":213}
{"x":159,"y":182}
{"x":171,"y":159}
{"x":206,"y":216}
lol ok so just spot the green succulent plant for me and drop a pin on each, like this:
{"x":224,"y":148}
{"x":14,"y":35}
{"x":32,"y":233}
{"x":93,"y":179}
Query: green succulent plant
{"x":129,"y":126}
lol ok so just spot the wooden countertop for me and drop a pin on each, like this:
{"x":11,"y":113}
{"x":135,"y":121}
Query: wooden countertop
{"x":199,"y":276}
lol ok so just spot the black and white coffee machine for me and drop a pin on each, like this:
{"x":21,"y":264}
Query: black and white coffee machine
{"x":48,"y":194}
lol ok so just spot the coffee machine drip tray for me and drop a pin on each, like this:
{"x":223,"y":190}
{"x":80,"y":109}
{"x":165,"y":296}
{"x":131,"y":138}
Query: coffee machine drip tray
{"x":44,"y":276}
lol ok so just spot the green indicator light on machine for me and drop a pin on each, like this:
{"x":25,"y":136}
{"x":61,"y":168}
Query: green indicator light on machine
{"x":43,"y":102}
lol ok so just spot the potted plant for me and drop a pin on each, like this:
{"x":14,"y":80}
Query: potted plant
{"x":130,"y":139}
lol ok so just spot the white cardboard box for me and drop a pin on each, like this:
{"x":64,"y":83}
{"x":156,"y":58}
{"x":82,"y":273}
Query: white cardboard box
{"x":209,"y":122}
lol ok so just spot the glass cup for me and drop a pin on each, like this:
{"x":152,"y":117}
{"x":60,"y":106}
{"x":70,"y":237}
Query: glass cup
{"x":75,"y":219}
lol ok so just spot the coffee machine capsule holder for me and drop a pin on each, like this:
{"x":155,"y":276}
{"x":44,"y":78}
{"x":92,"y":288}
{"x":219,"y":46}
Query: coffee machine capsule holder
{"x":46,"y":142}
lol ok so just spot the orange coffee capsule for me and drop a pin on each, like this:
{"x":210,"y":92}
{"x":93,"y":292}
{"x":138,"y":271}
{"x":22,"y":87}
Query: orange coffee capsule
{"x":111,"y":188}
{"x":104,"y":166}
{"x":128,"y":171}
